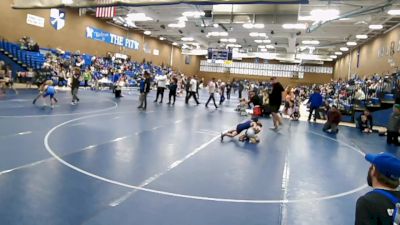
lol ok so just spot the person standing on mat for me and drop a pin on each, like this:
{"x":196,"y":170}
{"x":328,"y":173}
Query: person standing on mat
{"x":379,"y":206}
{"x":393,"y":126}
{"x":211,"y":91}
{"x":161,"y":85}
{"x":275,"y":101}
{"x":172,"y":90}
{"x":315,"y":102}
{"x":192,"y":90}
{"x":144,"y":90}
{"x":228,"y":90}
{"x":240,"y":87}
{"x":75,"y":82}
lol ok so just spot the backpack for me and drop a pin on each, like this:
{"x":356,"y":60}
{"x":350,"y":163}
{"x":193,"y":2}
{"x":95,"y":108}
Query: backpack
{"x":395,"y":201}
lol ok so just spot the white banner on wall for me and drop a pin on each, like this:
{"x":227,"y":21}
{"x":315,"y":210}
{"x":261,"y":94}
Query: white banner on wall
{"x":35,"y":20}
{"x":156,"y":52}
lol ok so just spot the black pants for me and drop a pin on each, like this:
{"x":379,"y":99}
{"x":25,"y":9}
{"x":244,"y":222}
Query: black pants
{"x":240,"y":93}
{"x":117,"y":93}
{"x":160,"y":91}
{"x":172,"y":94}
{"x":312,"y":109}
{"x":228,"y":93}
{"x":392,"y":137}
{"x":86,"y":83}
{"x":211,"y":98}
{"x":192,"y":93}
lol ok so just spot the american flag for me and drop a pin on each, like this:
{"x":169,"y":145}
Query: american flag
{"x":105,"y":12}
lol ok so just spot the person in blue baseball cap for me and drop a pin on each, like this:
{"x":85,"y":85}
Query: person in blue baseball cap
{"x":382,"y":205}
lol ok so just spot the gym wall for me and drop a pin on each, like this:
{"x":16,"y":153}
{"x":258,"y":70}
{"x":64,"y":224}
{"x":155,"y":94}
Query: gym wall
{"x":374,"y":57}
{"x":73,"y":37}
{"x":309,"y":78}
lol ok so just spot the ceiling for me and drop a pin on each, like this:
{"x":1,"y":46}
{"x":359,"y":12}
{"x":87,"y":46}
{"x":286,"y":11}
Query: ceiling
{"x":354,"y":19}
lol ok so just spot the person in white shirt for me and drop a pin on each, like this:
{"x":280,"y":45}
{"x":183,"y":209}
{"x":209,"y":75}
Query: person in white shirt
{"x":211,"y":90}
{"x":359,"y":95}
{"x":192,"y":91}
{"x":161,"y":85}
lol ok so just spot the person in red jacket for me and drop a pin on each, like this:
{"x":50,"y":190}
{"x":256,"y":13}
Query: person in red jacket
{"x":334,"y":118}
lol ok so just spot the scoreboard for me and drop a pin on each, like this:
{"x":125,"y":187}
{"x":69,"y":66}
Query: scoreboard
{"x":220,"y":54}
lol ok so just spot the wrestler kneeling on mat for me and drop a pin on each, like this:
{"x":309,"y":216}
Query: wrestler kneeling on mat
{"x":252,"y":127}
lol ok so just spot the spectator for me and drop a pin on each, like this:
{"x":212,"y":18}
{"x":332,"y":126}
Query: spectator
{"x":378,"y":206}
{"x":393,"y":126}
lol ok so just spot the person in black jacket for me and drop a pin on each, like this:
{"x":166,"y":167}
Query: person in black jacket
{"x":146,"y":90}
{"x":172,"y":90}
{"x":75,"y":82}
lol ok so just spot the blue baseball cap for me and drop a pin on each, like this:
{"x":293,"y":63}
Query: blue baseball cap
{"x":386,"y":163}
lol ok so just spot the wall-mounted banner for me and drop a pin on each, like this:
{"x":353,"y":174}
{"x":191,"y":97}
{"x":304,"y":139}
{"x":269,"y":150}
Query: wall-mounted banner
{"x":57,"y":18}
{"x":26,"y":4}
{"x":35,"y":20}
{"x":104,"y":36}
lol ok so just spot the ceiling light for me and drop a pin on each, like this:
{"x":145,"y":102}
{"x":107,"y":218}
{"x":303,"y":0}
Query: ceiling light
{"x":297,"y":26}
{"x":262,"y":34}
{"x":338,"y":53}
{"x":223,"y":40}
{"x":344,"y":49}
{"x":174,"y":43}
{"x":194,"y":14}
{"x":223,"y":34}
{"x":177,"y":25}
{"x":261,"y":46}
{"x":258,"y":41}
{"x":138,"y":17}
{"x":248,"y":25}
{"x":375,"y":26}
{"x":333,"y":56}
{"x":270,"y":46}
{"x":147,"y":32}
{"x":253,"y":34}
{"x":264,"y":50}
{"x":162,"y":38}
{"x":361,"y":36}
{"x":259,"y":26}
{"x":266,"y":41}
{"x":394,"y":12}
{"x":310,"y":42}
{"x":187,"y":39}
{"x":233,"y":46}
{"x":324,"y":14}
{"x":351,"y":43}
{"x":215,"y":25}
{"x":182,"y":19}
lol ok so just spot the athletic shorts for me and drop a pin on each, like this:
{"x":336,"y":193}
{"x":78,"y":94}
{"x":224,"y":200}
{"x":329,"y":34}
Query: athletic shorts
{"x":48,"y":94}
{"x":275,"y":108}
{"x":241,"y":127}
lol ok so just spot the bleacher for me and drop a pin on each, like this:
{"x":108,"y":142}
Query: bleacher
{"x":25,"y":58}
